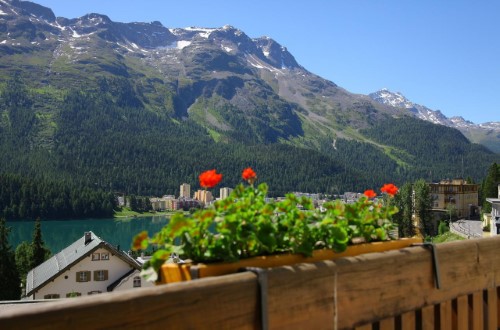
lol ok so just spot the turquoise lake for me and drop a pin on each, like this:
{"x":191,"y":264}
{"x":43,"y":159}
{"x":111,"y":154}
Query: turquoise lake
{"x":61,"y":233}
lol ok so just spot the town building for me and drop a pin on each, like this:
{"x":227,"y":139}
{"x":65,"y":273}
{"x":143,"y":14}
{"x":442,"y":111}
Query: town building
{"x":225,"y":192}
{"x":314,"y":197}
{"x":455,"y":196}
{"x":185,"y":191}
{"x":188,"y":203}
{"x":204,"y":196}
{"x":88,"y":266}
{"x":120,"y":201}
{"x":163,"y":203}
{"x":495,"y":214}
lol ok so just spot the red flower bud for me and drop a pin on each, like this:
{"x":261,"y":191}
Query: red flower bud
{"x":370,"y":193}
{"x":249,"y":174}
{"x":209,"y":179}
{"x":389,"y":189}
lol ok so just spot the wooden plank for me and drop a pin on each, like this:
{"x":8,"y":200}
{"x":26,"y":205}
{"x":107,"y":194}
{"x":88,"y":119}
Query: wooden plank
{"x":387,"y":324}
{"x":492,"y":308}
{"x":226,"y":302}
{"x":405,"y":279}
{"x":476,"y":311}
{"x":445,"y":316}
{"x":364,"y":327}
{"x":498,"y":307}
{"x":408,"y":321}
{"x":302,"y":296}
{"x":428,"y":318}
{"x":461,"y":313}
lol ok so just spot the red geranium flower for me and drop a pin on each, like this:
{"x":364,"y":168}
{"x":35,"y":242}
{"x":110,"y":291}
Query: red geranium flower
{"x":370,"y":193}
{"x":209,"y":179}
{"x":249,"y":175}
{"x":389,"y":189}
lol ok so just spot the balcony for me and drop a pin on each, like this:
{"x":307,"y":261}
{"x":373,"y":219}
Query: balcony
{"x":400,"y":289}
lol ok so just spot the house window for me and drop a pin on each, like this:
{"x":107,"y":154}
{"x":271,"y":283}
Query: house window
{"x":51,"y":296}
{"x":73,"y":294}
{"x":105,"y":256}
{"x":100,"y":275}
{"x":83,"y":276}
{"x":94,"y":292}
{"x":137,"y":282}
{"x":96,"y":256}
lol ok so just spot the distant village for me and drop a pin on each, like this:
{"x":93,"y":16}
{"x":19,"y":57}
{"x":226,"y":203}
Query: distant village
{"x":450,"y":197}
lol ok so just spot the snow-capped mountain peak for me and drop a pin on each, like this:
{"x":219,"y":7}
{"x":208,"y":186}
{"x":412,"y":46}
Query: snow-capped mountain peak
{"x":394,"y":99}
{"x":481,"y":133}
{"x":397,"y":99}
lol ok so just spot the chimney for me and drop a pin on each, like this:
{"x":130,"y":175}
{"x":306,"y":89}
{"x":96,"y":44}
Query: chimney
{"x":88,"y":237}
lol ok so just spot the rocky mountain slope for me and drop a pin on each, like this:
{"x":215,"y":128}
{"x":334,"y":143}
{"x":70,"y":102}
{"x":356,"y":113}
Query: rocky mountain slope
{"x":487,"y":134}
{"x":136,"y":106}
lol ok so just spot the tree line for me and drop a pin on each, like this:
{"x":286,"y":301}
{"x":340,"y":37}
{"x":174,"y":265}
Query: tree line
{"x":489,"y":187}
{"x":15,"y":264}
{"x":28,"y":198}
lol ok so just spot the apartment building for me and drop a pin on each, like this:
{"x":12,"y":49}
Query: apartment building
{"x":456,"y":195}
{"x":185,"y":191}
{"x":204,"y":196}
{"x":225,"y":192}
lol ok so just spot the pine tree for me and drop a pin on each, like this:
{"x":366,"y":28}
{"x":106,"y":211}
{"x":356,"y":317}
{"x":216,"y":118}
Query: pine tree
{"x":39,"y":251}
{"x":24,"y":257}
{"x":423,"y":205}
{"x":10,"y":288}
{"x":490,"y":186}
{"x":403,"y":218}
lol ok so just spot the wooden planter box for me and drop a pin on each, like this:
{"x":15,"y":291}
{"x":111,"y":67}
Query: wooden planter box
{"x":171,"y":272}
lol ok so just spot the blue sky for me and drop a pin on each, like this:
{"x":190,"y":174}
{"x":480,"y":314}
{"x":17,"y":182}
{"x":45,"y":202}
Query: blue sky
{"x":441,"y":54}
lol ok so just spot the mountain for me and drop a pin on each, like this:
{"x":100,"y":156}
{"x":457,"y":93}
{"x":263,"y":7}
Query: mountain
{"x":140,"y":108}
{"x":487,"y":134}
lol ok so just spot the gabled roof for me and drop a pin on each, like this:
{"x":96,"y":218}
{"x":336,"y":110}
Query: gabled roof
{"x":113,"y":285}
{"x":60,"y":262}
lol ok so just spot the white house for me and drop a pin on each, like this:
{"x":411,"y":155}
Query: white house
{"x":88,"y":266}
{"x":495,"y":214}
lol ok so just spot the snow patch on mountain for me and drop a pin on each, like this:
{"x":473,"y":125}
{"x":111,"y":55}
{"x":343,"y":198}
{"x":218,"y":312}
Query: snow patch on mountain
{"x":259,"y":64}
{"x":225,"y":48}
{"x":182,"y":44}
{"x":202,"y":32}
{"x":491,"y":125}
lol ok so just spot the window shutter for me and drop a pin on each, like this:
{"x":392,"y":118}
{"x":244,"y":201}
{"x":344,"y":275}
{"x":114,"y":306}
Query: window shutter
{"x":88,"y":276}
{"x":78,"y":276}
{"x":96,"y":278}
{"x":105,"y":275}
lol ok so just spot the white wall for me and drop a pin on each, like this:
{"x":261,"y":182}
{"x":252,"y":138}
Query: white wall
{"x":66,"y":282}
{"x":495,"y":212}
{"x":128,"y":282}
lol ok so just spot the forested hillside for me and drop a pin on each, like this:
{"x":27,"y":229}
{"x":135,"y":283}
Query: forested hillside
{"x":439,"y":151}
{"x":103,"y":107}
{"x":111,"y":142}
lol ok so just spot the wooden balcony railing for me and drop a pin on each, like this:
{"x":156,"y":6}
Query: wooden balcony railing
{"x":389,"y":290}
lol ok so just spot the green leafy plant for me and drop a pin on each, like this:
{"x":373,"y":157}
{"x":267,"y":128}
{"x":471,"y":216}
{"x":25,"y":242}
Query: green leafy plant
{"x":248,"y":224}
